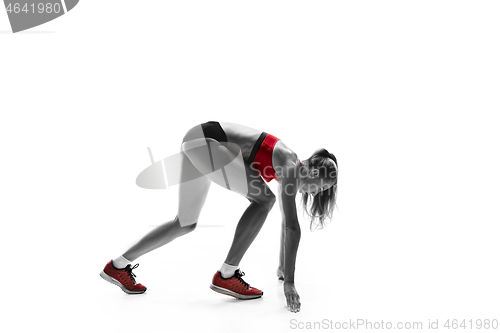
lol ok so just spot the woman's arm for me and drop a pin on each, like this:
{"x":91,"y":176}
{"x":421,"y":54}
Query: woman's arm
{"x":288,"y":189}
{"x":281,"y":267}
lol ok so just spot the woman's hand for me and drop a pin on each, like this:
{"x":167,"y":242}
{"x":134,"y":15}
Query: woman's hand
{"x":292,"y":298}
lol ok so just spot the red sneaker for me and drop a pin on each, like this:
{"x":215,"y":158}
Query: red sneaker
{"x":123,"y":278}
{"x":234,"y":286}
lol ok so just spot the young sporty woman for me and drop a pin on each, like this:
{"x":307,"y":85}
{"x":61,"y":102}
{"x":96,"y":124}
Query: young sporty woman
{"x":242,"y":159}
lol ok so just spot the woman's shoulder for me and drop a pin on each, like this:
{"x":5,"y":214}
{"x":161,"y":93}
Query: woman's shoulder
{"x":285,"y":161}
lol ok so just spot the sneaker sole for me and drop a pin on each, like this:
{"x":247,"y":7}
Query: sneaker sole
{"x":117,"y":283}
{"x":232,"y":293}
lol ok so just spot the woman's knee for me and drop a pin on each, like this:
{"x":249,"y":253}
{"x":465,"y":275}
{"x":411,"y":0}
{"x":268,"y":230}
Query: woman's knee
{"x":271,"y":201}
{"x":186,"y":227}
{"x":267,"y":201}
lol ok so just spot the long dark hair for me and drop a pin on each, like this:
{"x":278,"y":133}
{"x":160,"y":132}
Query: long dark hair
{"x":322,"y":204}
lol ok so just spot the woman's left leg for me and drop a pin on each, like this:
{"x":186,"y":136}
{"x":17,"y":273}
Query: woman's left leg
{"x":228,"y":280}
{"x":262,"y":201}
{"x":227,"y":169}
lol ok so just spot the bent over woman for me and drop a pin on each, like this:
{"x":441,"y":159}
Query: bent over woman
{"x":241,"y":159}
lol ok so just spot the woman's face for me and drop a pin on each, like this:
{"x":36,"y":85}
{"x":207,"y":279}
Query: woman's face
{"x":315,"y":185}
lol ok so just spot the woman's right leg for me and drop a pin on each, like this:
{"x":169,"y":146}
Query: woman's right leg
{"x":192,"y":196}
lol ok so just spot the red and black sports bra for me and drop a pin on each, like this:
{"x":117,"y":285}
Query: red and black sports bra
{"x":261,"y":157}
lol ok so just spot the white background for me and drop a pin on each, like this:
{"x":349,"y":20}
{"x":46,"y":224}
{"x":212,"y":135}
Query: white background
{"x":405,"y":94}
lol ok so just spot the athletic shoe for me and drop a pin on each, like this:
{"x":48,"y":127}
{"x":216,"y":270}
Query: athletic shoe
{"x":123,"y":278}
{"x":234,"y":286}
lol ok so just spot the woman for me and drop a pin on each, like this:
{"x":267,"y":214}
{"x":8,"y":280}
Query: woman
{"x":242,"y":159}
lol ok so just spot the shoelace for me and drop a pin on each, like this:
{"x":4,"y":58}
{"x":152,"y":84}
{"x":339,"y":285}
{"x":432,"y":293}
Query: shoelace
{"x":130,"y":274}
{"x":238,"y":274}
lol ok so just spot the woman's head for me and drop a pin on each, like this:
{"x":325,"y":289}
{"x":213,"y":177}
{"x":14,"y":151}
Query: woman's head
{"x":318,"y":185}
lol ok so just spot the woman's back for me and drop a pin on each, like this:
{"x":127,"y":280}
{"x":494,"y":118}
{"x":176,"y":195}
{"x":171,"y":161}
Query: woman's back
{"x":243,"y":136}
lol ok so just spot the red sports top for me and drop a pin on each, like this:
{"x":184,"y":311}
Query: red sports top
{"x":264,"y":158}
